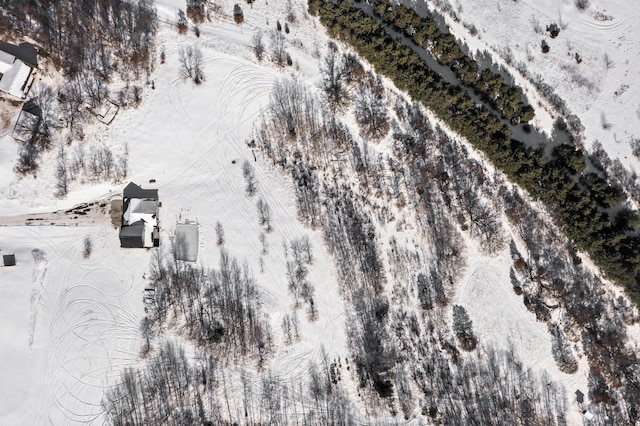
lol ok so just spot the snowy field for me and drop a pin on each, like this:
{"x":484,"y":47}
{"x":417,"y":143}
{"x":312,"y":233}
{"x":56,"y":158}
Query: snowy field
{"x":70,"y":324}
{"x":600,"y":87}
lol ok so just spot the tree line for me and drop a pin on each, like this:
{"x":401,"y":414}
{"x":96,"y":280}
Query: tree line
{"x":87,"y":37}
{"x":448,"y":193}
{"x":424,"y":32}
{"x":403,"y":358}
{"x":578,"y":207}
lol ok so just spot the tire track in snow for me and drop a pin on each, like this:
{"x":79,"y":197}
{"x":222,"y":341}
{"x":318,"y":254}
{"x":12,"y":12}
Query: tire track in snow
{"x":241,"y":79}
{"x":213,"y":144}
{"x":523,"y":327}
{"x":95,"y":325}
{"x":246,"y":81}
{"x":37,"y":277}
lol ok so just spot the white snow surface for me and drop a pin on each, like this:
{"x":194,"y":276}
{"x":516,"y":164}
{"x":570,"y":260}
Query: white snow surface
{"x":14,"y":74}
{"x":70,"y":325}
{"x":602,"y":87}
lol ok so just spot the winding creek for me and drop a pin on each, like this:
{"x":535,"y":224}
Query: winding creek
{"x":531,"y":137}
{"x":527,"y":134}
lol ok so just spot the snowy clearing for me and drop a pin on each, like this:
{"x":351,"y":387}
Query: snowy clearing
{"x":71,"y":323}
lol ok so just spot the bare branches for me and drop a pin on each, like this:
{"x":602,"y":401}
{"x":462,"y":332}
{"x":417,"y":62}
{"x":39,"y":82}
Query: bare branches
{"x":257,"y":45}
{"x":278,"y":52}
{"x":249,"y":177}
{"x":219,"y":234}
{"x":264,"y":214}
{"x":293,"y":109}
{"x":87,"y":247}
{"x":182,"y":24}
{"x":334,"y":81}
{"x":371,"y":108}
{"x":190,"y":58}
{"x":61,"y":172}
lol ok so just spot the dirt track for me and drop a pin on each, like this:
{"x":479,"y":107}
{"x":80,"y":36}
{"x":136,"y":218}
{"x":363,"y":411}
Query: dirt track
{"x":85,"y":214}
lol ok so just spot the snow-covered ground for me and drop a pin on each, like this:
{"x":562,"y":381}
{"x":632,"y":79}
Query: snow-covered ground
{"x":70,"y":324}
{"x":601,"y":89}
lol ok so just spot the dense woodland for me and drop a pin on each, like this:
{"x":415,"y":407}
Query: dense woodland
{"x":578,"y":199}
{"x":92,"y":44}
{"x":412,"y":353}
{"x":86,"y":39}
{"x":404,"y":350}
{"x":549,"y":278}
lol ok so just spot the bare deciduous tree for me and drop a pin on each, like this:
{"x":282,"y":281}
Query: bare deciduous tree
{"x":196,"y":10}
{"x":334,"y":80}
{"x":290,"y":13}
{"x":87,"y":247}
{"x":264,"y":213}
{"x":62,"y":176}
{"x":371,"y":108}
{"x":219,"y":234}
{"x":190,"y":58}
{"x":278,"y":51}
{"x":582,"y":4}
{"x":264,"y":243}
{"x":257,"y":45}
{"x":249,"y":177}
{"x":182,"y":24}
{"x":146,"y":329}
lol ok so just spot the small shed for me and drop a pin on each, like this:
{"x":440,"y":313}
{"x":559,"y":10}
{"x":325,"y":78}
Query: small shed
{"x":579,"y":396}
{"x":9,"y":259}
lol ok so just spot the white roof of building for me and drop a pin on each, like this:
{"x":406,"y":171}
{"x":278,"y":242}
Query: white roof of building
{"x":6,"y":61}
{"x":14,"y":76}
{"x":186,"y":242}
{"x":145,"y":210}
{"x":16,"y":64}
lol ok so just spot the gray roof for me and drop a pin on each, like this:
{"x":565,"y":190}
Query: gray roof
{"x":32,"y":108}
{"x":136,"y":229}
{"x":134,"y":191}
{"x":25,"y":52}
{"x":186,"y":242}
{"x":9,"y":259}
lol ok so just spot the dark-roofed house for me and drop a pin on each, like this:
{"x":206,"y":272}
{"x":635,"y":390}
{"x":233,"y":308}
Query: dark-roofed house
{"x":18,"y":65}
{"x":9,"y":259}
{"x":134,"y":191}
{"x":139,"y":217}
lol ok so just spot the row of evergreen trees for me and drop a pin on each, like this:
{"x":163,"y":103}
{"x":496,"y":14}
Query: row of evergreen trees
{"x":577,"y":204}
{"x":424,"y":32}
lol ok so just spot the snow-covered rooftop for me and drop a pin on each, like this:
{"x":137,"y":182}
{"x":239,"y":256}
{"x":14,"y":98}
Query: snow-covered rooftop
{"x":16,"y":64}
